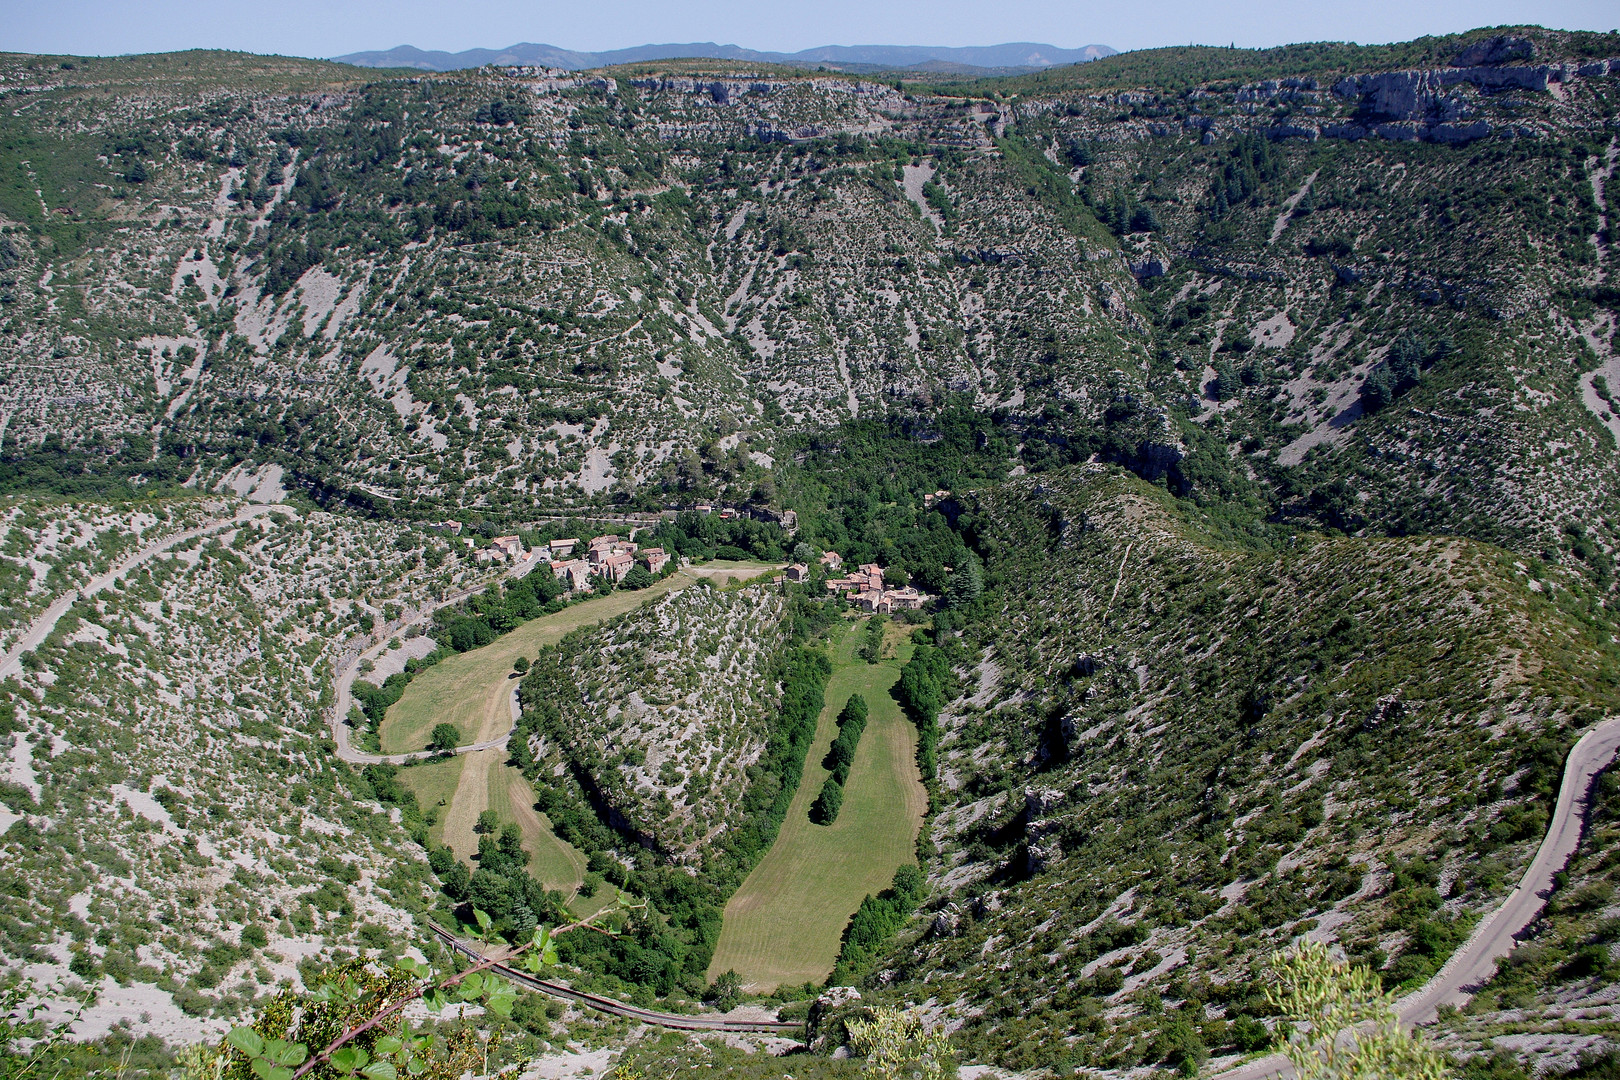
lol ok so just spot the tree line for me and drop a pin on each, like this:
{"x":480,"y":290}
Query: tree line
{"x":840,"y":756}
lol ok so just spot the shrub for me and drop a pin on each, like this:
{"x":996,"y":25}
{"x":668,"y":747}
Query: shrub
{"x":828,"y":803}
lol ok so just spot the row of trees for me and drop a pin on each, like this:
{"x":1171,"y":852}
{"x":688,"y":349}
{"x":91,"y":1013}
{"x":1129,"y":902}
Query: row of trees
{"x":877,"y":920}
{"x":840,"y":756}
{"x":926,"y":684}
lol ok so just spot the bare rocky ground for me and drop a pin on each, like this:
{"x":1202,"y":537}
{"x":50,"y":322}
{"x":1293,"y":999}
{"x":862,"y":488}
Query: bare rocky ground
{"x":168,"y":778}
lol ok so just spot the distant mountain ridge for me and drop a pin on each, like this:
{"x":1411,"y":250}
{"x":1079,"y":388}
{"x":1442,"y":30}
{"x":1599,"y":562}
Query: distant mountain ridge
{"x":1018,"y":55}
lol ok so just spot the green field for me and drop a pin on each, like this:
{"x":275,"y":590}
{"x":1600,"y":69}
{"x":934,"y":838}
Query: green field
{"x":784,"y":924}
{"x":433,"y":783}
{"x":472,"y":690}
{"x":472,"y":783}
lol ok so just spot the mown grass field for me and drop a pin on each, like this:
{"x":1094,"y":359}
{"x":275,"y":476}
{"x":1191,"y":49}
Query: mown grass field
{"x":784,"y":924}
{"x":469,"y":784}
{"x":472,"y":690}
{"x":433,"y":782}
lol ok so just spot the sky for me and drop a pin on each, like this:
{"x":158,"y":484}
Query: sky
{"x":334,"y":27}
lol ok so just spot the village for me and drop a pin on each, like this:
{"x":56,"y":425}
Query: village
{"x":611,"y":557}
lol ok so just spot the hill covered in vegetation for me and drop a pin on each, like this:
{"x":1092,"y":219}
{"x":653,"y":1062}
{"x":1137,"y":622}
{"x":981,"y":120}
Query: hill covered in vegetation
{"x":1247,"y":417}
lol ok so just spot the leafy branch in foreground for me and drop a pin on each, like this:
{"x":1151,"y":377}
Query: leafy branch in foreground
{"x":1353,"y":1032}
{"x":897,"y":1045}
{"x":31,"y":1045}
{"x":354,"y":1017}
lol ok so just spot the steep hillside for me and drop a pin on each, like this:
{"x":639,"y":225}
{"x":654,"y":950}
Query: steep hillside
{"x":509,"y":289}
{"x":175,"y":820}
{"x":665,"y":711}
{"x":1171,"y":753}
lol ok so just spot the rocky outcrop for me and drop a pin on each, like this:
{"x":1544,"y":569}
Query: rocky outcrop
{"x":1412,"y":95}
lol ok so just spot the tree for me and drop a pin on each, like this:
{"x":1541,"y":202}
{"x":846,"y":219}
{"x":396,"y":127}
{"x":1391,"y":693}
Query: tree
{"x":520,"y":665}
{"x":804,"y":553}
{"x":828,"y":803}
{"x":445,"y":738}
{"x":639,"y":577}
{"x":871,"y":649}
{"x":725,"y":992}
{"x":1354,"y":1033}
{"x":487,"y":823}
{"x":966,"y":584}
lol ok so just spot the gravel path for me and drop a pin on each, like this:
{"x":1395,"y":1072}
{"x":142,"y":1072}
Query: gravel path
{"x":46,"y":621}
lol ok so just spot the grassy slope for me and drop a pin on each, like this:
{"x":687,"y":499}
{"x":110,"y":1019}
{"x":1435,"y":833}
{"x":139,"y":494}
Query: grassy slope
{"x":554,"y":862}
{"x":472,"y":783}
{"x":784,"y":924}
{"x":433,"y":781}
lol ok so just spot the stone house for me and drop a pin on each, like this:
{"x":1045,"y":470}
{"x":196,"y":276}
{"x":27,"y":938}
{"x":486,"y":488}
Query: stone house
{"x":616,"y":565}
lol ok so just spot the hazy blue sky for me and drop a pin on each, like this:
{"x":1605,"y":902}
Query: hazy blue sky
{"x":332,"y":27}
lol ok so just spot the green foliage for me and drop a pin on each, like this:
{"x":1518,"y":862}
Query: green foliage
{"x":639,"y":577}
{"x":1354,"y":1032}
{"x":925,"y":685}
{"x":824,"y":811}
{"x":445,"y":738}
{"x":871,"y":649}
{"x":31,"y":1045}
{"x":876,"y":922}
{"x":726,"y":991}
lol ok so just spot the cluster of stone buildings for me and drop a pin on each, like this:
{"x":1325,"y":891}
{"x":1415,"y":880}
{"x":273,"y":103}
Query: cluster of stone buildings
{"x":608,"y":556}
{"x":499,"y":550}
{"x":864,"y":586}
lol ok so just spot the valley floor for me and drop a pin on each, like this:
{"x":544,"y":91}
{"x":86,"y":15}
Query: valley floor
{"x":783,"y":925}
{"x":474,"y":690}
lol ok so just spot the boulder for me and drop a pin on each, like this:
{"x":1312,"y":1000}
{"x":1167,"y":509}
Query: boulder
{"x":824,"y":1028}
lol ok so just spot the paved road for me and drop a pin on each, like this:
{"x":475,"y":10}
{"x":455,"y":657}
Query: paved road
{"x":677,"y":1021}
{"x":46,"y":621}
{"x":1472,"y":966}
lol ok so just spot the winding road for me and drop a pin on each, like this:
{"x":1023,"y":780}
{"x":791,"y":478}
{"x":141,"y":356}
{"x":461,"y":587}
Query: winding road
{"x":1471,"y":966}
{"x":678,"y":1021}
{"x":46,"y":621}
{"x":348,"y":669}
